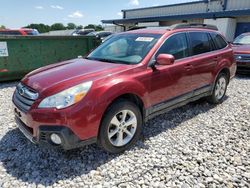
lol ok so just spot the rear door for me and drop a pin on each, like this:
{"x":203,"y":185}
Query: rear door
{"x":204,"y":60}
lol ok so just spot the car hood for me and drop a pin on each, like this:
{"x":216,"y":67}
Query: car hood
{"x":69,"y":73}
{"x":241,"y":49}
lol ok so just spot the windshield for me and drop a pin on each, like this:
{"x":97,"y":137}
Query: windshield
{"x":129,"y":48}
{"x":91,"y":34}
{"x":242,"y":39}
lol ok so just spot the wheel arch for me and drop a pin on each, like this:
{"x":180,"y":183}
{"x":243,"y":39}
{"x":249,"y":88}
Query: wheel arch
{"x":132,"y":98}
{"x":223,"y":67}
{"x":129,"y":97}
{"x":226,"y":71}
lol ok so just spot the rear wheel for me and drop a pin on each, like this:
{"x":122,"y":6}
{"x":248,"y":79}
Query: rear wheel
{"x":219,"y":90}
{"x":121,"y":127}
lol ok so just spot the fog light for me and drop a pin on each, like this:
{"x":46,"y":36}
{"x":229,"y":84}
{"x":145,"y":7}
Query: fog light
{"x":56,"y":139}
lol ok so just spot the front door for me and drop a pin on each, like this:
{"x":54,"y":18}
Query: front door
{"x":171,"y":83}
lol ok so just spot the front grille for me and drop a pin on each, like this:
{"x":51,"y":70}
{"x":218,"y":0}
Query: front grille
{"x":24,"y":97}
{"x":43,"y":136}
{"x":242,"y":57}
{"x":243,"y":69}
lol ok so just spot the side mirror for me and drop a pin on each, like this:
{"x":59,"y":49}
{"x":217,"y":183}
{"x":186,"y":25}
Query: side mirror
{"x":165,"y":59}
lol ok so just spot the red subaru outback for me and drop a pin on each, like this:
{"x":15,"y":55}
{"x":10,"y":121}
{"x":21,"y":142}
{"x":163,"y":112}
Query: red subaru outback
{"x":130,"y":78}
{"x":22,"y":31}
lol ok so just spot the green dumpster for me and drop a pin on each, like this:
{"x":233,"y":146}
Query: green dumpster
{"x":22,"y":54}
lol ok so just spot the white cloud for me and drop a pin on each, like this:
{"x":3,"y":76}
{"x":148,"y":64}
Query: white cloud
{"x":57,"y":7}
{"x":120,"y":14}
{"x":76,"y":14}
{"x":39,"y":7}
{"x":134,"y":2}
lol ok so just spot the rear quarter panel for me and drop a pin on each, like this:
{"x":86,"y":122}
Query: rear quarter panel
{"x":227,"y":60}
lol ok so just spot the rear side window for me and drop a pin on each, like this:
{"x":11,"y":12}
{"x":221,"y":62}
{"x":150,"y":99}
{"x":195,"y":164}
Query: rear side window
{"x":199,"y":43}
{"x":219,"y":42}
{"x":175,"y":45}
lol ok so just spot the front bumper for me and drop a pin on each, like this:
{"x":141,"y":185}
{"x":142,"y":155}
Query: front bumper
{"x":69,"y":139}
{"x":243,"y":63}
{"x":243,"y":67}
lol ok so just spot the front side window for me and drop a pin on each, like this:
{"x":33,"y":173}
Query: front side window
{"x":129,"y":48}
{"x":199,"y":43}
{"x":175,"y":45}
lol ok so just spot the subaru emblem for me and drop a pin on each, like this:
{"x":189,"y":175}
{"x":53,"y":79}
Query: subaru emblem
{"x":21,"y":91}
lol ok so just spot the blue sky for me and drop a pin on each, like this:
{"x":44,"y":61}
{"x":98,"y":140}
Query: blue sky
{"x":16,"y":13}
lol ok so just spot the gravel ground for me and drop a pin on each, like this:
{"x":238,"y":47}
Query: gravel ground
{"x":198,"y":145}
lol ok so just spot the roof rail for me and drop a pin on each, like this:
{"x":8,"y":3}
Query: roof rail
{"x":149,"y":27}
{"x":193,"y":25}
{"x":136,"y":27}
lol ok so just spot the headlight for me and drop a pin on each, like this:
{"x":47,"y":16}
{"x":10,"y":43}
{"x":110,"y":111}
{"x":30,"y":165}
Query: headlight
{"x":238,"y":57}
{"x":67,"y":97}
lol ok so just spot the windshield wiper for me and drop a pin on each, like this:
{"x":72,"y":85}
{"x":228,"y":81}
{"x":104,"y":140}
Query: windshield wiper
{"x":107,"y":60}
{"x":96,"y":59}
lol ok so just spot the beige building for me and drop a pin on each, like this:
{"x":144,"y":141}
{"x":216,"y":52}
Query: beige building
{"x":232,"y":17}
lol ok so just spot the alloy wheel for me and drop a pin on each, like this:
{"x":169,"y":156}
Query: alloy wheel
{"x":220,"y":88}
{"x":122,"y":128}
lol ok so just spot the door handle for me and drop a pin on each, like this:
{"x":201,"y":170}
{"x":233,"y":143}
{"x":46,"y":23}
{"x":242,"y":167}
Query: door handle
{"x":216,"y":58}
{"x":188,"y":67}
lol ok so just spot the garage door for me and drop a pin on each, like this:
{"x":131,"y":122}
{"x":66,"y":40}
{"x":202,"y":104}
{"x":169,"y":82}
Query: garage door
{"x":242,"y":28}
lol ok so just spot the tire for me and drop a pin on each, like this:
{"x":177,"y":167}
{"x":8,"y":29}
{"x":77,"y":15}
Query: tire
{"x":219,"y":90}
{"x":121,"y":127}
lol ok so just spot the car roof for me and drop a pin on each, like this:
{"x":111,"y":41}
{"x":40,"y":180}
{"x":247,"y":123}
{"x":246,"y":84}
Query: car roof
{"x":103,"y":32}
{"x":149,"y":31}
{"x":22,"y":29}
{"x":162,"y":31}
{"x":248,"y":33}
{"x":176,"y":27}
{"x":9,"y":30}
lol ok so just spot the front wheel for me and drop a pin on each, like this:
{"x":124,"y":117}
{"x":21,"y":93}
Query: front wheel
{"x":121,"y":127}
{"x":219,"y":90}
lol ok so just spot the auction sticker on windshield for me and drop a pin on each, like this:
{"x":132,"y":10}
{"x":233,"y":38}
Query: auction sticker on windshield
{"x":3,"y":49}
{"x":145,"y":39}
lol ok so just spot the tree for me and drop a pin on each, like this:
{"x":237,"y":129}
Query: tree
{"x":71,"y":26}
{"x":99,"y":28}
{"x":79,"y":27}
{"x":2,"y":27}
{"x":90,"y":26}
{"x":57,"y":26}
{"x":42,"y":28}
{"x":95,"y":27}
